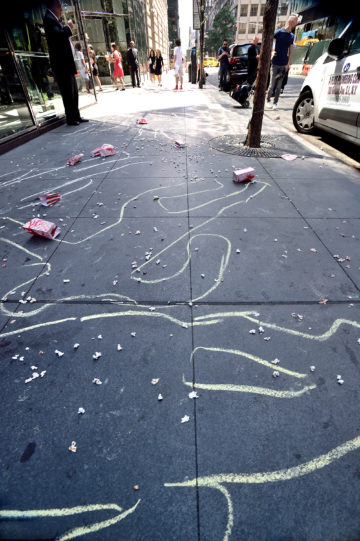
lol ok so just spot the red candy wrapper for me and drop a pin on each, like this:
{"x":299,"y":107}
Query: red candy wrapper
{"x":243,"y":175}
{"x":49,"y":198}
{"x":42,"y":228}
{"x":180,"y":143}
{"x":104,"y":150}
{"x":141,"y":121}
{"x":75,"y":159}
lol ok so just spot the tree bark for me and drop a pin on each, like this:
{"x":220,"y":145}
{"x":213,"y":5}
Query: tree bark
{"x":254,"y":129}
{"x":202,"y":29}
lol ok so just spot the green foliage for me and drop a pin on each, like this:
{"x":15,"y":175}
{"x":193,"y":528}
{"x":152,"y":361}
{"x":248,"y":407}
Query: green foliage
{"x":223,"y":28}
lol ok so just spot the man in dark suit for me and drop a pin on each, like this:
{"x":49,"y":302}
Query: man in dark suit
{"x":62,"y":60}
{"x":133,"y":61}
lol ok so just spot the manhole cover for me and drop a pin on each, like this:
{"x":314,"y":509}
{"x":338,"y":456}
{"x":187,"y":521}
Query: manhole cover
{"x":271,"y":146}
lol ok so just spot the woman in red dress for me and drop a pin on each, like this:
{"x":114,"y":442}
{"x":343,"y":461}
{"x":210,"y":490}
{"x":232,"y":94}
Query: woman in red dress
{"x":116,"y":59}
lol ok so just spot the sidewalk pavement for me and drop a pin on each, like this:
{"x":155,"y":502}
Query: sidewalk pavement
{"x":167,"y":278}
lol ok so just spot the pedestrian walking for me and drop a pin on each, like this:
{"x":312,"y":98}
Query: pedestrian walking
{"x":223,"y":57}
{"x":280,"y":63}
{"x":94,"y":66}
{"x":118,"y":72}
{"x":151,"y":64}
{"x":253,"y":57}
{"x":133,"y":61}
{"x":159,"y":64}
{"x":81,"y":67}
{"x":62,"y":60}
{"x":178,"y":60}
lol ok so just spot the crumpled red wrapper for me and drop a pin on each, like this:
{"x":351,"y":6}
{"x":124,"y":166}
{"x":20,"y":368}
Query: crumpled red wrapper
{"x":75,"y":159}
{"x":103,"y":151}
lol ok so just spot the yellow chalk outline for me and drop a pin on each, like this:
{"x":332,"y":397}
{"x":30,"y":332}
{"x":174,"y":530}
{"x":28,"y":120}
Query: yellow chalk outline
{"x":321,"y":337}
{"x":249,"y":356}
{"x":64,"y":512}
{"x":217,"y":481}
{"x":248,"y":389}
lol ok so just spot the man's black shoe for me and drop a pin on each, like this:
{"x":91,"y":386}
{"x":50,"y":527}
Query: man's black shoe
{"x":81,"y":119}
{"x":73,"y":123}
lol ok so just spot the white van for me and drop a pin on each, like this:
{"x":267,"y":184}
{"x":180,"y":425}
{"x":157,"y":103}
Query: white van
{"x":330,"y":95}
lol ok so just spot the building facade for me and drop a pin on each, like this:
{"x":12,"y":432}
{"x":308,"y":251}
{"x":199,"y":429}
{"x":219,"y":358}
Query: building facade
{"x":29,"y":98}
{"x":157,"y":27}
{"x":249,"y":21}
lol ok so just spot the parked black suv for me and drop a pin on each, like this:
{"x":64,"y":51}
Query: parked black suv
{"x":237,"y":72}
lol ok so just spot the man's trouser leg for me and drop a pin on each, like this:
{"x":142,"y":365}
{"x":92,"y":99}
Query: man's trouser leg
{"x":69,"y":93}
{"x":223,"y":72}
{"x":132,"y":73}
{"x":277,"y":75}
{"x":137,"y":76}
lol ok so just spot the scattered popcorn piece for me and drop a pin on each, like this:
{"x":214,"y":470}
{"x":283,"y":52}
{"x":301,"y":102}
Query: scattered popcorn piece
{"x":59,"y":353}
{"x":136,"y":487}
{"x":267,"y":338}
{"x":154,"y":381}
{"x":66,"y":281}
{"x":185,"y":419}
{"x":160,"y":397}
{"x":33,"y":367}
{"x":118,"y":347}
{"x":97,"y":355}
{"x":133,"y":334}
{"x":312,"y":368}
{"x":81,"y":411}
{"x":97,"y":381}
{"x":193,"y":394}
{"x":185,"y":325}
{"x":340,"y":381}
{"x":275,"y":361}
{"x":261,"y":330}
{"x":100,"y":336}
{"x":73,"y":447}
{"x":252,"y":331}
{"x":237,"y":251}
{"x":76,"y":345}
{"x":276,"y":374}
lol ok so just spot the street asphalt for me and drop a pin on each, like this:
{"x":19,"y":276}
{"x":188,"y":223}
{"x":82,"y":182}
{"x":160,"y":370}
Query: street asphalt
{"x":183,"y":360}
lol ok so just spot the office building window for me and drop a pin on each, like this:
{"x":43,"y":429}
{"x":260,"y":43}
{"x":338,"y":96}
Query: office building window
{"x":262,"y":10}
{"x":283,"y":9}
{"x":253,"y":10}
{"x":252,"y":28}
{"x":244,"y":10}
{"x":242,"y":28}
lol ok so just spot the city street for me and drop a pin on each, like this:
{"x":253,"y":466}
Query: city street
{"x":334,"y":146}
{"x":182,"y":361}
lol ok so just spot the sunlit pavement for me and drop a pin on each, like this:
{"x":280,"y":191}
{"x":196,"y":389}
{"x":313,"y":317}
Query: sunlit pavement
{"x":181,"y":362}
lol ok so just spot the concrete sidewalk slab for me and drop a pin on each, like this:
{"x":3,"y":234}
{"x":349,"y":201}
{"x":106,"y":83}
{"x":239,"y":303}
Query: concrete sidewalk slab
{"x":202,"y":287}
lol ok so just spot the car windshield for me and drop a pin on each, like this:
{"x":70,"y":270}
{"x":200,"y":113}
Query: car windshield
{"x":240,"y":50}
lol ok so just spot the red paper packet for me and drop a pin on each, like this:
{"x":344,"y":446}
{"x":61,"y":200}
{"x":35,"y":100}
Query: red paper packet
{"x":42,"y":228}
{"x":49,"y":198}
{"x":243,"y":175}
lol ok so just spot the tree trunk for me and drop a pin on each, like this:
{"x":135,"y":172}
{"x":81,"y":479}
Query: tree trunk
{"x":202,"y":29}
{"x":255,"y":124}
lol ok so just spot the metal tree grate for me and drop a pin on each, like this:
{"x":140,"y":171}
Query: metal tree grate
{"x":271,"y":146}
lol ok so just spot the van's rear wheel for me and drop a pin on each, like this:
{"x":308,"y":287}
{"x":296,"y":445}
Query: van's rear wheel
{"x":303,"y":113}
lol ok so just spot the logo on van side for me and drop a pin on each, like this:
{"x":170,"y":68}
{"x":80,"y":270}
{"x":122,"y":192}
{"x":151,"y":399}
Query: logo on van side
{"x":346,"y":67}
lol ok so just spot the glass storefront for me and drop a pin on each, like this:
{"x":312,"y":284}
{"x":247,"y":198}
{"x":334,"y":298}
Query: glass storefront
{"x":14,"y":111}
{"x":29,"y":95}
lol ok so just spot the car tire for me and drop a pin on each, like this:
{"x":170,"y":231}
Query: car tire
{"x":303,"y":113}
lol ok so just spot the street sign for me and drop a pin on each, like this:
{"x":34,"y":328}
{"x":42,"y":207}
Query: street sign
{"x":196,"y":17}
